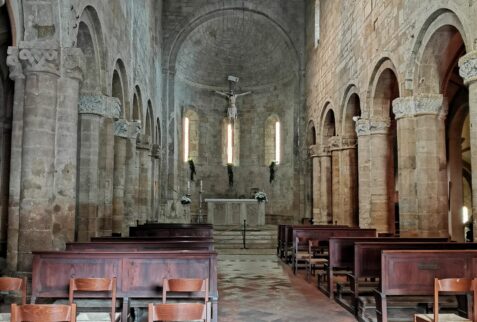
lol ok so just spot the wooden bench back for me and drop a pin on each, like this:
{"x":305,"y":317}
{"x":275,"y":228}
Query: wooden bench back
{"x":367,"y":255}
{"x":151,"y":239}
{"x":207,"y":245}
{"x":341,"y":249}
{"x":161,"y":230}
{"x":188,"y":285}
{"x":324,"y":234}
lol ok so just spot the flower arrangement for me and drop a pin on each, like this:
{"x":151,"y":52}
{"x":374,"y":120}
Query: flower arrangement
{"x":261,"y":196}
{"x":186,"y":200}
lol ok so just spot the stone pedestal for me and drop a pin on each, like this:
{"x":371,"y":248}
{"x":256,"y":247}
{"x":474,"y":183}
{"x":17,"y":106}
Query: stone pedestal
{"x":468,"y":71}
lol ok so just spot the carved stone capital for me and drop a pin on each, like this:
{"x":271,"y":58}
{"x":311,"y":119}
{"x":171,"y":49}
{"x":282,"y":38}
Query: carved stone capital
{"x":40,"y":57}
{"x":142,"y":142}
{"x":156,"y":151}
{"x":126,"y":129}
{"x":338,"y":143}
{"x":313,"y":151}
{"x":13,"y":62}
{"x":73,"y":63}
{"x":370,"y":127}
{"x":419,"y":105}
{"x":121,"y":128}
{"x":105,"y":106}
{"x":468,"y":67}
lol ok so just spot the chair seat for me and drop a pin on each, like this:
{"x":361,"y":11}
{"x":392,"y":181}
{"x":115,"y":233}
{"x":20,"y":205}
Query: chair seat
{"x":302,"y":255}
{"x":96,"y":317}
{"x":317,"y":261}
{"x":442,"y":318}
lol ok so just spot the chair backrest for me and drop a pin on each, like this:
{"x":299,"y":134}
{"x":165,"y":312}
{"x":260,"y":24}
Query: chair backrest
{"x":188,"y":285}
{"x":9,"y":284}
{"x":178,"y":312}
{"x":95,"y":285}
{"x":313,"y":244}
{"x":43,"y":313}
{"x":456,"y":285}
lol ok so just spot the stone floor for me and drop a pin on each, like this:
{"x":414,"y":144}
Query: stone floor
{"x":261,"y":288}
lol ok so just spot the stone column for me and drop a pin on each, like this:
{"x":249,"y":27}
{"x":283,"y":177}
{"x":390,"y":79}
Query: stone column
{"x":38,"y":158}
{"x":121,"y":131}
{"x":345,"y":147}
{"x":316,"y":185}
{"x":406,"y":140}
{"x":337,"y":215}
{"x":364,"y":173}
{"x":144,"y":190}
{"x":326,"y":215}
{"x":155,"y":155}
{"x":132,"y":179}
{"x":468,"y":71}
{"x":65,"y":176}
{"x":424,"y":194}
{"x":374,"y":178}
{"x":93,"y":109}
{"x":16,"y":74}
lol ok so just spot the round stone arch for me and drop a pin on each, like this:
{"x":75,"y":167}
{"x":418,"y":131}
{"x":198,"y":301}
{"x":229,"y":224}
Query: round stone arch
{"x":213,"y":13}
{"x":441,"y":42}
{"x":90,"y":39}
{"x":13,"y":17}
{"x":120,"y":86}
{"x":437,"y":20}
{"x":351,"y":107}
{"x":328,"y":124}
{"x":384,"y":87}
{"x":149,"y":125}
{"x":311,"y":133}
{"x":137,"y":106}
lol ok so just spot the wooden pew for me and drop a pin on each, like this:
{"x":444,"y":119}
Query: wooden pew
{"x":412,"y":273}
{"x":324,"y":234}
{"x":202,"y":245}
{"x":170,"y":230}
{"x":342,"y":254}
{"x":287,"y":235}
{"x":150,"y":239}
{"x":139,"y":274}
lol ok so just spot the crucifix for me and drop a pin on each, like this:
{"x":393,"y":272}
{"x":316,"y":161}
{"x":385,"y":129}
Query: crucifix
{"x":232,"y":97}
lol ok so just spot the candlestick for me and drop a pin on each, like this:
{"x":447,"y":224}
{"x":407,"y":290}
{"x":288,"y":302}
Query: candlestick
{"x":201,"y":186}
{"x":188,"y":187}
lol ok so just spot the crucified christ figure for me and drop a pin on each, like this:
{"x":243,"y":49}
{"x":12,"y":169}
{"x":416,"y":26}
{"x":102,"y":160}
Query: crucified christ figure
{"x":232,"y":98}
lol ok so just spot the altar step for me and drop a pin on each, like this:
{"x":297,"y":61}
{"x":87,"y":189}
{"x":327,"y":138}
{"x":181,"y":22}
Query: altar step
{"x":261,"y":241}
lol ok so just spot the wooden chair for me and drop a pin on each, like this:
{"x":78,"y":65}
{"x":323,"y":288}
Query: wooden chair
{"x":178,"y":312}
{"x":182,"y":311}
{"x":188,"y":285}
{"x":96,"y":285}
{"x":11,"y":284}
{"x":43,"y":313}
{"x":300,"y":253}
{"x":313,"y":260}
{"x":451,"y":285}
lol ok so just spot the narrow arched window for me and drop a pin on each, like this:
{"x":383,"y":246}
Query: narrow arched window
{"x":317,"y":24}
{"x":190,"y":135}
{"x":272,"y":140}
{"x":230,"y":142}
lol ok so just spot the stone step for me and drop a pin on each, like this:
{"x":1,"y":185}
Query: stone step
{"x":240,"y":245}
{"x":249,"y":251}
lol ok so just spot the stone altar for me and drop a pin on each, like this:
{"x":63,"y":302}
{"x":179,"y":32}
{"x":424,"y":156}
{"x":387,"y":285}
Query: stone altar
{"x":235,"y":211}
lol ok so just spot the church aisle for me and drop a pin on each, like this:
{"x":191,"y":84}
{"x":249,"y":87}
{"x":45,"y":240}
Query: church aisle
{"x":257,"y":288}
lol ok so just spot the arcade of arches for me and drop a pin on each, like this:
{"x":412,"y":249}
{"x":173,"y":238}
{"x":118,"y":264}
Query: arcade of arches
{"x":365,"y":110}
